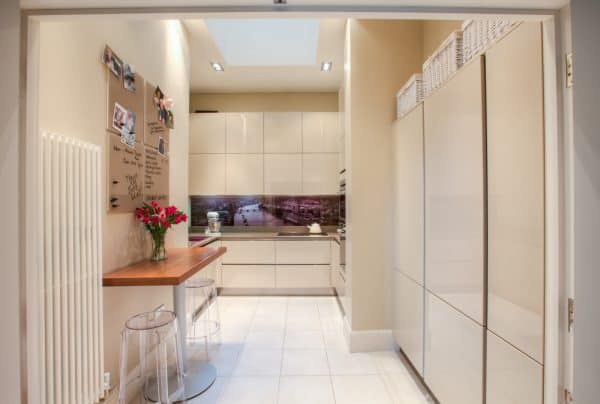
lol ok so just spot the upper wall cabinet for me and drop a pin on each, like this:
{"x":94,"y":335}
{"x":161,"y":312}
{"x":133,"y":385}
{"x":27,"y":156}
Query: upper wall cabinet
{"x":283,"y":132}
{"x":244,"y":132}
{"x":207,"y":174}
{"x":244,"y":174}
{"x":408,"y":195}
{"x":320,"y":132}
{"x":515,"y":150}
{"x":320,"y":174}
{"x":207,"y":133}
{"x":454,"y":200}
{"x":283,"y":174}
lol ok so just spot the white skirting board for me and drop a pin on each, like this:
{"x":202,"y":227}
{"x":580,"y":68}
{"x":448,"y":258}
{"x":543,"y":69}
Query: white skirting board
{"x":368,"y":340}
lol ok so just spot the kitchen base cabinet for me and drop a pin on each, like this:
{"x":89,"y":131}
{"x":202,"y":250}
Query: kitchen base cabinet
{"x":248,"y":276}
{"x":453,"y":354}
{"x":408,"y":318}
{"x":303,"y":252}
{"x":249,"y":252}
{"x":512,"y":377}
{"x":303,"y":276}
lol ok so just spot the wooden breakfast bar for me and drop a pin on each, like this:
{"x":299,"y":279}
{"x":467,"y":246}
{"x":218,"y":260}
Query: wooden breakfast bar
{"x":181,"y":264}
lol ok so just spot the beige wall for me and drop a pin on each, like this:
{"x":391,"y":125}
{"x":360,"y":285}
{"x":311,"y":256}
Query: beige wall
{"x":435,"y":32}
{"x":10,"y":384}
{"x":73,"y":102}
{"x":259,"y":102}
{"x":379,"y":66}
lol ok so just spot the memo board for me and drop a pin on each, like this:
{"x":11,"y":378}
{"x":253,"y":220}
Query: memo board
{"x":125,"y":175}
{"x":153,"y":127}
{"x":133,"y":101}
{"x":156,"y":178}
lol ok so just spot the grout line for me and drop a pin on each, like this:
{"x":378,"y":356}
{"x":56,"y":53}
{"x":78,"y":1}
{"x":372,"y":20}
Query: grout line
{"x":327,"y":356}
{"x":287,"y":302}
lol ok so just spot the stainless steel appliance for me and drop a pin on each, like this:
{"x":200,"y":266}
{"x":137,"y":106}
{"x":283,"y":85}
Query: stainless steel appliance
{"x":342,"y":222}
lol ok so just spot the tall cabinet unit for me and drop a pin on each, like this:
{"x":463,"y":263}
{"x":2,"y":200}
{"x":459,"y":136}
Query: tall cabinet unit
{"x":408,"y":228}
{"x":515,"y":144}
{"x":454,"y":237}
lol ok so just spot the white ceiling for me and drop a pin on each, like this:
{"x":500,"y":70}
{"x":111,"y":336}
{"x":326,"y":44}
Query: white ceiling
{"x":541,"y":4}
{"x":203,"y":50}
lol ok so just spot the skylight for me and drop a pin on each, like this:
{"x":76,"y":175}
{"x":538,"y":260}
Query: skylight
{"x":266,"y":42}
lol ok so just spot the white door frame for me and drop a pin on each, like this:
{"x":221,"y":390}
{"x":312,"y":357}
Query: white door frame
{"x":553,"y":138}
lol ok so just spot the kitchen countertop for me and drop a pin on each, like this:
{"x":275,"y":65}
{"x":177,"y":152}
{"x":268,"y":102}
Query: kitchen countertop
{"x":240,"y":236}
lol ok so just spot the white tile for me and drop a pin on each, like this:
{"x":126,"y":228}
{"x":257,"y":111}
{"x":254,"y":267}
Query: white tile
{"x":250,"y":390}
{"x":244,"y":132}
{"x":295,"y":339}
{"x":264,"y":339}
{"x":303,"y":322}
{"x":304,"y":362}
{"x":283,"y":174}
{"x":335,"y":341}
{"x":360,"y":390}
{"x":275,"y":323}
{"x":283,"y":132}
{"x":211,"y":396}
{"x":341,"y":362}
{"x":320,"y":174}
{"x":206,"y":174}
{"x":225,"y":358}
{"x":244,"y":174}
{"x":403,"y":389}
{"x":259,"y":362}
{"x":305,"y":390}
{"x":389,"y":362}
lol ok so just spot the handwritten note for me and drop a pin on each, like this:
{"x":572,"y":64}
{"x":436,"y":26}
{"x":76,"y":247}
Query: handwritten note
{"x":156,"y":178}
{"x":125,"y":175}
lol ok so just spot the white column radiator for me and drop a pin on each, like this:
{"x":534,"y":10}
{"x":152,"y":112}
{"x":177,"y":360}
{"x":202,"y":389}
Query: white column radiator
{"x":72,"y":340}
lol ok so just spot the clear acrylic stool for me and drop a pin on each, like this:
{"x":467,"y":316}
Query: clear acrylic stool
{"x":205,"y":321}
{"x":161,"y":363}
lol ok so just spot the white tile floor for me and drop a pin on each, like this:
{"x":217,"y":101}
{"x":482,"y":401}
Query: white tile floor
{"x":291,"y":350}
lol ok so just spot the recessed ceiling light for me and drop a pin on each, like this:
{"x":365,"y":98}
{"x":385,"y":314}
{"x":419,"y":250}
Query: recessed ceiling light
{"x":326,"y":66}
{"x":218,"y":67}
{"x":279,"y":1}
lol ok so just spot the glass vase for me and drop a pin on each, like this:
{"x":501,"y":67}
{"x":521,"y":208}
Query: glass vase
{"x":159,"y":252}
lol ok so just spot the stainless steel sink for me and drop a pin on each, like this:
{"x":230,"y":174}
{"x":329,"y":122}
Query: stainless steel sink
{"x":298,"y":234}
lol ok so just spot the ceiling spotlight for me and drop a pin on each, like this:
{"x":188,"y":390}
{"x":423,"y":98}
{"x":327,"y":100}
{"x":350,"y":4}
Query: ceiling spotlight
{"x":326,"y":66}
{"x":279,"y":1}
{"x":216,"y":66}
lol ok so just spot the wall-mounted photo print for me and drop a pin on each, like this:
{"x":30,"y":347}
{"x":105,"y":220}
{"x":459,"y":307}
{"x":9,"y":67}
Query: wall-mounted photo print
{"x":128,"y":77}
{"x":162,"y":147}
{"x":110,"y":59}
{"x":119,"y":117}
{"x":169,"y":119}
{"x":128,"y":130}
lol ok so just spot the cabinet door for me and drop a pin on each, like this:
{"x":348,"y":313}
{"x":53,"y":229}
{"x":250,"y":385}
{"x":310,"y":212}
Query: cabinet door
{"x":248,"y":276}
{"x":453,"y":354}
{"x":320,"y":174}
{"x":283,"y":132}
{"x":516,"y":189}
{"x":409,"y":318}
{"x":244,"y":132}
{"x":512,"y":377}
{"x":409,"y":224}
{"x":207,"y":133}
{"x":454,"y":203}
{"x":244,"y":174}
{"x":249,"y":252}
{"x":303,"y":252}
{"x":320,"y":132}
{"x":206,"y":174}
{"x":283,"y":174}
{"x":303,"y":276}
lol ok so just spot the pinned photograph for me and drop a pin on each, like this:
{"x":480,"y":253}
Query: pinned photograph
{"x":119,"y":117}
{"x":110,"y":59}
{"x":162,"y":146}
{"x":169,"y":120}
{"x":128,"y":77}
{"x":158,"y":97}
{"x":128,"y":129}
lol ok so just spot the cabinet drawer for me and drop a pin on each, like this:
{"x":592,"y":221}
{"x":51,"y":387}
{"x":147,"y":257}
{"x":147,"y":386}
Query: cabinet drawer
{"x":249,"y":252}
{"x":303,"y":276}
{"x":248,"y":276}
{"x":303,"y":252}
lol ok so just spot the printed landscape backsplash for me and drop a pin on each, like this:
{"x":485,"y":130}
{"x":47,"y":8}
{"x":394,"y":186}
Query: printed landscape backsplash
{"x":266,"y":210}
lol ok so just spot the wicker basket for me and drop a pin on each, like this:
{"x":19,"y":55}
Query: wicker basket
{"x":410,"y":95}
{"x":444,"y":62}
{"x":479,"y":35}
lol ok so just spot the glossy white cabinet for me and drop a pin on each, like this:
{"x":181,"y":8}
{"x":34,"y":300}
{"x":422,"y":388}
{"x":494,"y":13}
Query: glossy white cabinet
{"x":244,"y":132}
{"x":207,"y":133}
{"x":512,"y":377}
{"x":320,"y":132}
{"x":453,"y":354}
{"x":207,"y":174}
{"x":283,"y":174}
{"x":515,"y":153}
{"x":454,"y":200}
{"x":303,"y":252}
{"x":283,"y":132}
{"x":303,"y":276}
{"x":248,"y":276}
{"x":244,"y":174}
{"x":320,"y":174}
{"x":249,"y":252}
{"x":409,"y":221}
{"x":408,"y":318}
